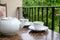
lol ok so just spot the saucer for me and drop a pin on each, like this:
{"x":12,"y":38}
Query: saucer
{"x":43,"y":28}
{"x":27,"y":24}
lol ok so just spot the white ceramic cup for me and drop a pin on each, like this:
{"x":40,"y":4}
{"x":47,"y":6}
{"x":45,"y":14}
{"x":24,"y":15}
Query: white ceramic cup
{"x":24,"y":20}
{"x":38,"y":24}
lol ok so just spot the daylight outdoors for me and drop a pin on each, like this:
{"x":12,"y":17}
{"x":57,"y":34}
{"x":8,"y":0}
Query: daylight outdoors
{"x":29,"y":19}
{"x":40,"y":10}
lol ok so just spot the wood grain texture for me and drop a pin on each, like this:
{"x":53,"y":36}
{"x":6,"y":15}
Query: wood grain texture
{"x":26,"y":34}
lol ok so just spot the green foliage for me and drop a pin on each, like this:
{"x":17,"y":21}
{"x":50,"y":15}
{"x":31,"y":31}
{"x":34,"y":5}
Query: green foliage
{"x":43,"y":3}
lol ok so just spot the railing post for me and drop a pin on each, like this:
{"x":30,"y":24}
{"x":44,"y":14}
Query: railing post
{"x":20,"y":14}
{"x":47,"y":16}
{"x":59,"y":24}
{"x":59,"y":21}
{"x":27,"y":13}
{"x":42,"y":14}
{"x":38,"y":13}
{"x":52,"y":22}
{"x":32,"y":14}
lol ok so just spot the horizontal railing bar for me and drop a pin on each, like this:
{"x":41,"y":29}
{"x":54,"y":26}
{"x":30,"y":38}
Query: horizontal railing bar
{"x":41,"y":6}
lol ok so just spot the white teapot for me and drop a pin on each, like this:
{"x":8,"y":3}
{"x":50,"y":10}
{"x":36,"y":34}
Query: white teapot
{"x":9,"y":25}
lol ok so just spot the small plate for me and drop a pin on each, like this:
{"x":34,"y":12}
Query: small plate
{"x":27,"y":24}
{"x":44,"y":28}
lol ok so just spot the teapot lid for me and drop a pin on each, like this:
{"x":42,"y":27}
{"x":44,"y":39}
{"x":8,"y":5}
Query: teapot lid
{"x":8,"y":18}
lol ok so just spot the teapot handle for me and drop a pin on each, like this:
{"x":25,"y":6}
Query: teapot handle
{"x":21,"y":25}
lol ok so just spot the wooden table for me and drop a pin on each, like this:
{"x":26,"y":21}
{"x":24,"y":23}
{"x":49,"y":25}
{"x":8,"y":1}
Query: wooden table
{"x":26,"y":34}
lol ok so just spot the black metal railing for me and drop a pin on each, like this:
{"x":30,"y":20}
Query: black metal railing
{"x":47,"y":14}
{"x":37,"y":13}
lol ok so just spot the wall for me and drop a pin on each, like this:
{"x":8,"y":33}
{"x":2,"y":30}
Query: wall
{"x":12,"y":6}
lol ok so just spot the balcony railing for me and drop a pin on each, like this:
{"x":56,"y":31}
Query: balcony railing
{"x":47,"y":14}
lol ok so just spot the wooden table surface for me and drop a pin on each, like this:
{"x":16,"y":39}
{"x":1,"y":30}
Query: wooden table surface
{"x":26,"y":34}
